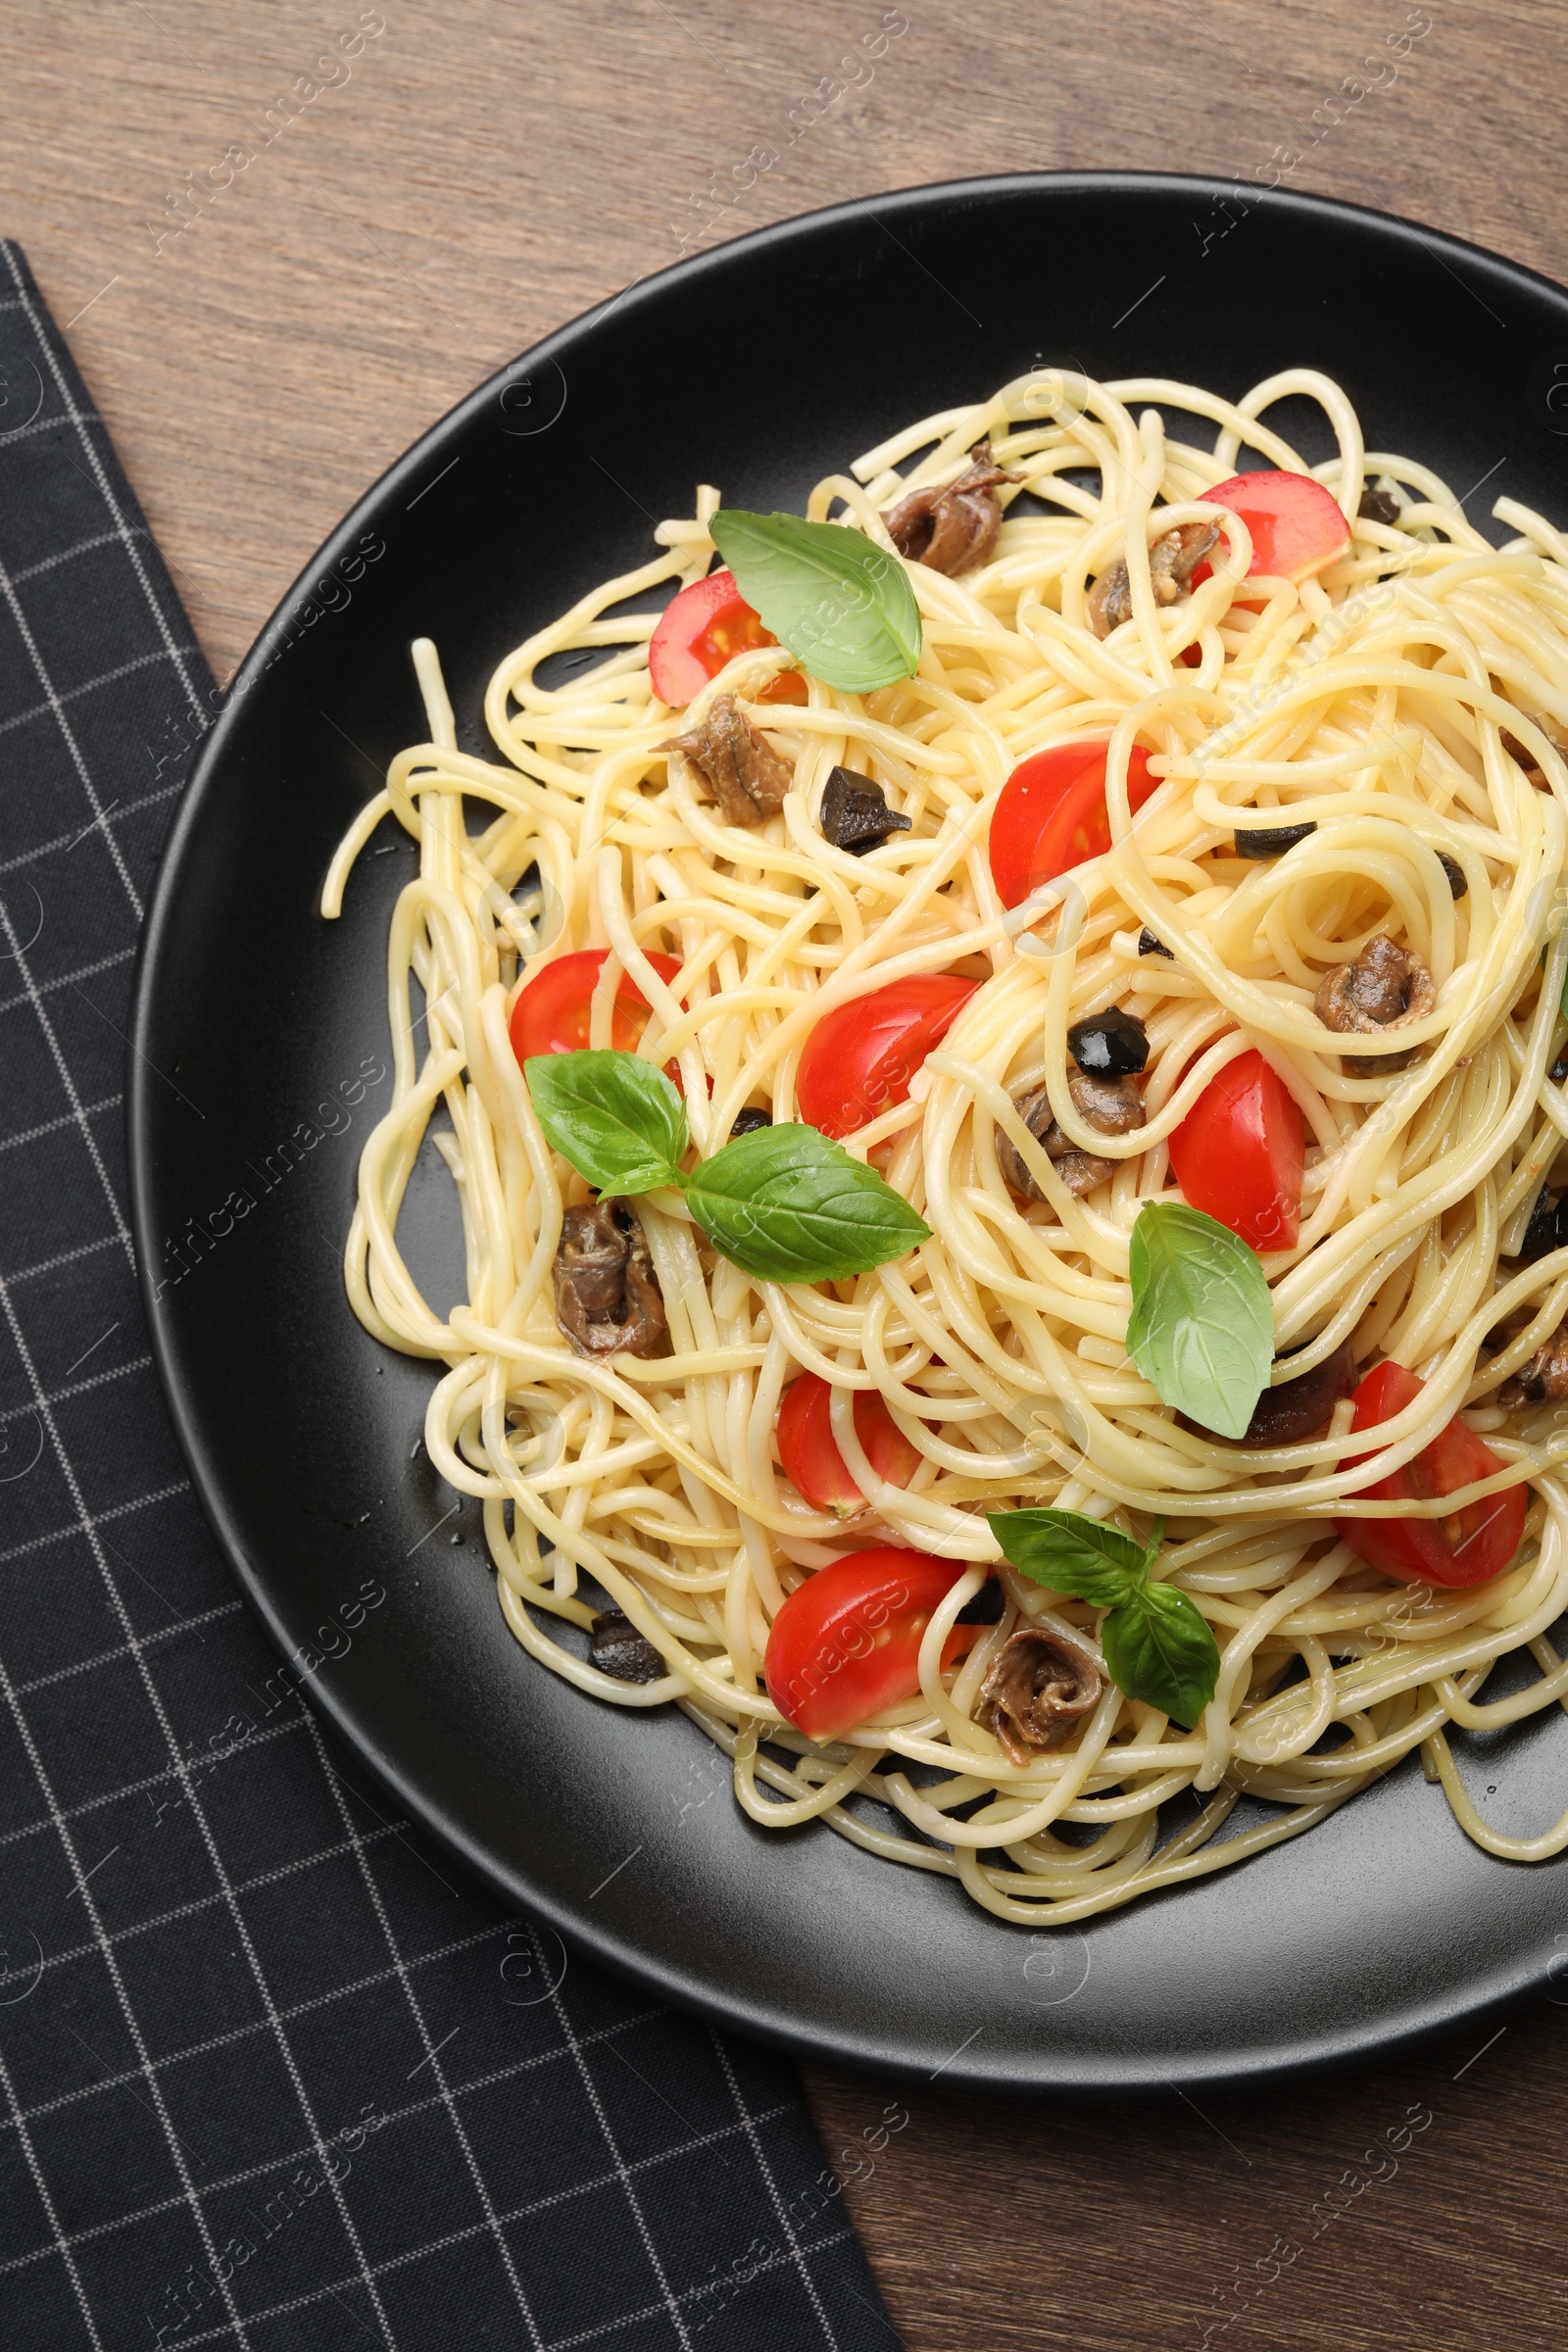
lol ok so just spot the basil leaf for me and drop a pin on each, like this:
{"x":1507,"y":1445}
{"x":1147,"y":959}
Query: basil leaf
{"x":785,"y":1203}
{"x":827,"y":592}
{"x":1071,"y":1553}
{"x":1159,"y":1648}
{"x":614,"y":1116}
{"x":1202,"y":1330}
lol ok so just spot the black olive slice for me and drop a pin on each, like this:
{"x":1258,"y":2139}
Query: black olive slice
{"x":1271,"y":841}
{"x":1457,"y":885}
{"x":747,"y":1121}
{"x":854,"y":815}
{"x":986,"y":1607}
{"x":1545,"y":1231}
{"x":1148,"y":945}
{"x":617,"y":1647}
{"x":1110,"y":1044}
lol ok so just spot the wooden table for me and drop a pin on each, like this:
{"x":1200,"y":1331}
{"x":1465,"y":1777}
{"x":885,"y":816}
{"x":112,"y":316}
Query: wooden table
{"x":484,"y":172}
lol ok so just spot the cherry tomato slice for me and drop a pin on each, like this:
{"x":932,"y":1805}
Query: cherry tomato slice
{"x":1052,"y":815}
{"x":707,"y":625}
{"x":551,"y":1013}
{"x":847,"y":1642}
{"x":1477,"y":1542}
{"x":1239,"y":1155}
{"x":860,"y":1058}
{"x":811,"y":1458}
{"x":1297,"y":526}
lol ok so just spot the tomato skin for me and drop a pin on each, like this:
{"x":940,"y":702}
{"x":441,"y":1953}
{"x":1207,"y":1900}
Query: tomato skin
{"x":1297,"y":526}
{"x":860,"y":1058}
{"x":707,"y":625}
{"x":847,"y":1642}
{"x":552,"y":1010}
{"x":811,"y":1455}
{"x":1478,"y":1542}
{"x":1052,"y":815}
{"x":1239,"y":1155}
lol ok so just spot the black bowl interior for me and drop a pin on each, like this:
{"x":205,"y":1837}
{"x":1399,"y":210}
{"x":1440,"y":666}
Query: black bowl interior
{"x":259,"y":1026}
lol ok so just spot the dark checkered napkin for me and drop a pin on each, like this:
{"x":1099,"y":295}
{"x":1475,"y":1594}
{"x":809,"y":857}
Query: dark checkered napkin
{"x":415,"y":2125}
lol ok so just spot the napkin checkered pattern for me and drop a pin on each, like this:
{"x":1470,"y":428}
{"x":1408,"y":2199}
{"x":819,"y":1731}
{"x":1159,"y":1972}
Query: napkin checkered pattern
{"x":272,"y":2072}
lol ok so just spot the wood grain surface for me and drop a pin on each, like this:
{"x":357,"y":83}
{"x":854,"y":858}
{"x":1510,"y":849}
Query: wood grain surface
{"x":477,"y":173}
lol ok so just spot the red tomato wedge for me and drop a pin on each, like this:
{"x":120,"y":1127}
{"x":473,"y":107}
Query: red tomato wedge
{"x":1239,"y":1155}
{"x":707,"y":625}
{"x":1477,"y":1542}
{"x":1052,"y":815}
{"x":1297,"y":526}
{"x":551,"y":1015}
{"x":811,"y":1458}
{"x":860,"y":1058}
{"x":847,"y":1642}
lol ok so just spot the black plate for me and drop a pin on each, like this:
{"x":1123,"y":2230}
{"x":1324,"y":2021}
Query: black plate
{"x":759,"y":366}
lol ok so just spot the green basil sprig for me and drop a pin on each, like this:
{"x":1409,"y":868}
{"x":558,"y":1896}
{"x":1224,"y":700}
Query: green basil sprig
{"x":828,"y":593}
{"x":1202,"y":1330}
{"x":616,"y":1118}
{"x":1156,"y":1640}
{"x":786,"y":1205}
{"x":783,"y":1204}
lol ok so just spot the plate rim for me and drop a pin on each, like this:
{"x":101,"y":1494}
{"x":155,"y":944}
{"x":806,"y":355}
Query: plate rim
{"x":1072,"y":2077}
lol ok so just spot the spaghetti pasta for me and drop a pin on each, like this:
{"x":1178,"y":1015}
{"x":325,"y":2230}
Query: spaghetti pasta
{"x":1403,"y":702}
